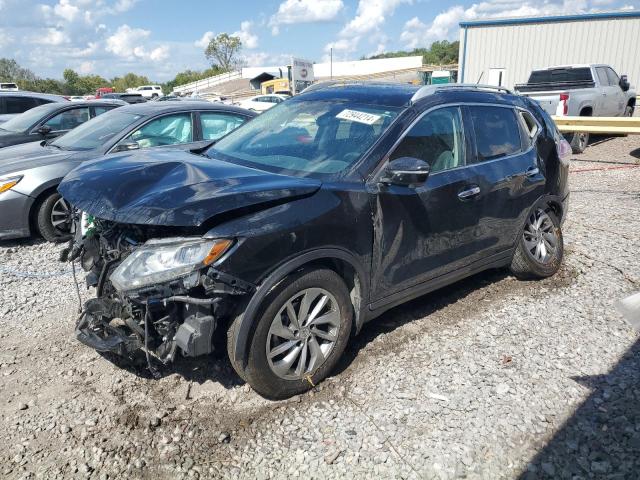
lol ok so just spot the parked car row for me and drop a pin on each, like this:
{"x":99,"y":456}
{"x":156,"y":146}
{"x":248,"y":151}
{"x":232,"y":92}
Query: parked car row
{"x":283,"y":236}
{"x":31,"y":172}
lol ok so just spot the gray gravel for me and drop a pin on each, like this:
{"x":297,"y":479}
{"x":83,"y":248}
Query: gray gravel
{"x":490,"y":378}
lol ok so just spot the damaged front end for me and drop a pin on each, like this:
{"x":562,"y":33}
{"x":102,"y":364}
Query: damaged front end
{"x":157,"y":289}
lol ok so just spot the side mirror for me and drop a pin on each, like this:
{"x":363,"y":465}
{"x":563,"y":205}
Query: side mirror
{"x":126,"y":146}
{"x":624,"y":83}
{"x":406,"y":171}
{"x":44,"y":130}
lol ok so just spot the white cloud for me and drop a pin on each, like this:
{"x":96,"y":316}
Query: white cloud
{"x":305,"y":11}
{"x":66,"y":10}
{"x":86,"y":68}
{"x":370,"y":16}
{"x":130,"y":43}
{"x":445,"y":26}
{"x":124,"y":5}
{"x":5,"y":38}
{"x":248,"y":39}
{"x":126,"y":41}
{"x":160,"y":53}
{"x":204,"y":40}
{"x":49,"y":36}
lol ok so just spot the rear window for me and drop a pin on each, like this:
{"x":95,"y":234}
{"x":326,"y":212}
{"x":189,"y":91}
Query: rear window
{"x":497,"y":132}
{"x":19,"y":104}
{"x":561,"y":75}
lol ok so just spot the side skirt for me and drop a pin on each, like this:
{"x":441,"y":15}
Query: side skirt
{"x":495,"y":261}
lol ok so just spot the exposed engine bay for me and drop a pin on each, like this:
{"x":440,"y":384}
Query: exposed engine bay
{"x":157,"y":289}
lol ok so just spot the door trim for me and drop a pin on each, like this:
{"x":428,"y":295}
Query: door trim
{"x":494,"y":261}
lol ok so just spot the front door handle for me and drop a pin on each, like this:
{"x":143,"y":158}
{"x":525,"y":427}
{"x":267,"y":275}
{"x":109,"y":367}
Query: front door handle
{"x":532,"y":172}
{"x":469,"y":192}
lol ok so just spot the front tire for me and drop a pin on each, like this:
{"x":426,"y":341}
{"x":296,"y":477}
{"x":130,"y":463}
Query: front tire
{"x":540,"y":247}
{"x":54,"y":219}
{"x":300,"y":334}
{"x":578,"y":142}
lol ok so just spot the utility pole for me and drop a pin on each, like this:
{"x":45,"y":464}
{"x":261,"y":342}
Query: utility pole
{"x":331,"y":63}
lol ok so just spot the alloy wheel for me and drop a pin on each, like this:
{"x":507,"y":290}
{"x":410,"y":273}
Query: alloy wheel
{"x":61,"y":217}
{"x":303,"y":334}
{"x":540,"y":237}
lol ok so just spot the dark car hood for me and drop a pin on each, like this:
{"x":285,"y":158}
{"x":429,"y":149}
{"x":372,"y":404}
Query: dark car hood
{"x":30,"y":155}
{"x":174,"y":188}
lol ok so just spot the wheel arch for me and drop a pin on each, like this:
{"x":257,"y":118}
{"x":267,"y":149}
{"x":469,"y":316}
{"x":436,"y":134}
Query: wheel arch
{"x":38,"y":197}
{"x":340,"y":261}
{"x":586,"y":111}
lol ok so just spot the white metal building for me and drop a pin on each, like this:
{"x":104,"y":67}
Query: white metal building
{"x":504,"y":51}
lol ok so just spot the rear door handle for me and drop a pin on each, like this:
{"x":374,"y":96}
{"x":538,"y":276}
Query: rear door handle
{"x":469,"y":192}
{"x":532,"y":172}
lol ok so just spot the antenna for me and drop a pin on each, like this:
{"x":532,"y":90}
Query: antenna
{"x":480,"y":78}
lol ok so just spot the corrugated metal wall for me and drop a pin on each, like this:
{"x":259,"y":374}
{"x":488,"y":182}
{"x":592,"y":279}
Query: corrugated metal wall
{"x":521,"y":48}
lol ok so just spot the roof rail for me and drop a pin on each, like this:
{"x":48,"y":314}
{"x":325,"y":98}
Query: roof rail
{"x":431,"y":89}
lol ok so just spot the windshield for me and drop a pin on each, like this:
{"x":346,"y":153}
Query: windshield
{"x":96,"y":132}
{"x":26,"y":120}
{"x":306,"y":138}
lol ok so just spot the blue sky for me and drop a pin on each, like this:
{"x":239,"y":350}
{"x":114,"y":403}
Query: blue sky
{"x":159,"y":38}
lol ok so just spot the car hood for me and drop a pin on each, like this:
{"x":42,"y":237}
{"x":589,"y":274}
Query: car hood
{"x":175,"y":188}
{"x":30,"y":155}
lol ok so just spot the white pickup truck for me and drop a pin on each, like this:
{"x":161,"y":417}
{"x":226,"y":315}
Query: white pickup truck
{"x":580,"y":90}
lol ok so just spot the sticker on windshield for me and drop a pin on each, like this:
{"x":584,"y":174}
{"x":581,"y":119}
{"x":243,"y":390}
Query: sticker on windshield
{"x":360,"y":117}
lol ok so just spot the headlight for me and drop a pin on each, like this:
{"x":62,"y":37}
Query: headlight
{"x":159,"y":261}
{"x":8,"y":183}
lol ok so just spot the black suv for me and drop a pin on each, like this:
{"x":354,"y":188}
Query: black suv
{"x":291,"y":232}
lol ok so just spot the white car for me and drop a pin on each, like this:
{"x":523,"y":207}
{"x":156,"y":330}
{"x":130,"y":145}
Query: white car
{"x":150,"y":91}
{"x":260,"y":103}
{"x":8,"y":86}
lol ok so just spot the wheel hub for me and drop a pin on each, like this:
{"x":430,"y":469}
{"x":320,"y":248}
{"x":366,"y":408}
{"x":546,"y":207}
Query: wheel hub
{"x":303,"y":334}
{"x":540,"y":237}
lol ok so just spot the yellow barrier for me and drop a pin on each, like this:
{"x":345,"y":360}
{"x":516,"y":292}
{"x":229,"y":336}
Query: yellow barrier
{"x":601,"y":125}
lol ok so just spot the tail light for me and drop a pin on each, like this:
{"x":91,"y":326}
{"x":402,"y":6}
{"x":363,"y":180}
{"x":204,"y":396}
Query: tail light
{"x":562,"y":147}
{"x":564,"y":103}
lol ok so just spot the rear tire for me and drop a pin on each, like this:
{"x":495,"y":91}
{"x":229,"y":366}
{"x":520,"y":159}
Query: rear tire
{"x":540,"y":247}
{"x":578,"y":142}
{"x":54,"y":218}
{"x":628,"y":111}
{"x":289,"y":355}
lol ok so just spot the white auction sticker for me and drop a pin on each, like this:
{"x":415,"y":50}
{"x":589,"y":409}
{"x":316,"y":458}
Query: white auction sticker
{"x":360,"y":117}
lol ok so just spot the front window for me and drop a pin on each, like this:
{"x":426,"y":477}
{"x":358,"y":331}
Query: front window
{"x":306,"y":138}
{"x":69,"y":119}
{"x":437,"y":139}
{"x":96,"y":132}
{"x":167,"y":130}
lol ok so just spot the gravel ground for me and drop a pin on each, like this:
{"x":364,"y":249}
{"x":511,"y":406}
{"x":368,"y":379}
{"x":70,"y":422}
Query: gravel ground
{"x":489,"y":378}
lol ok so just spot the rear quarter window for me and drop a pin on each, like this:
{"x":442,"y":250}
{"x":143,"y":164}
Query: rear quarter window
{"x":497,"y":132}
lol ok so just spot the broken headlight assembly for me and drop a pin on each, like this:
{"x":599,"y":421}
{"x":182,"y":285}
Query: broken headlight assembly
{"x":163,"y":260}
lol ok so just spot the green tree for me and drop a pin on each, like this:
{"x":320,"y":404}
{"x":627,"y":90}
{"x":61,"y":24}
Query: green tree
{"x":10,"y":71}
{"x":439,"y":53}
{"x":189,"y":76}
{"x":130,"y":80}
{"x":223,"y":50}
